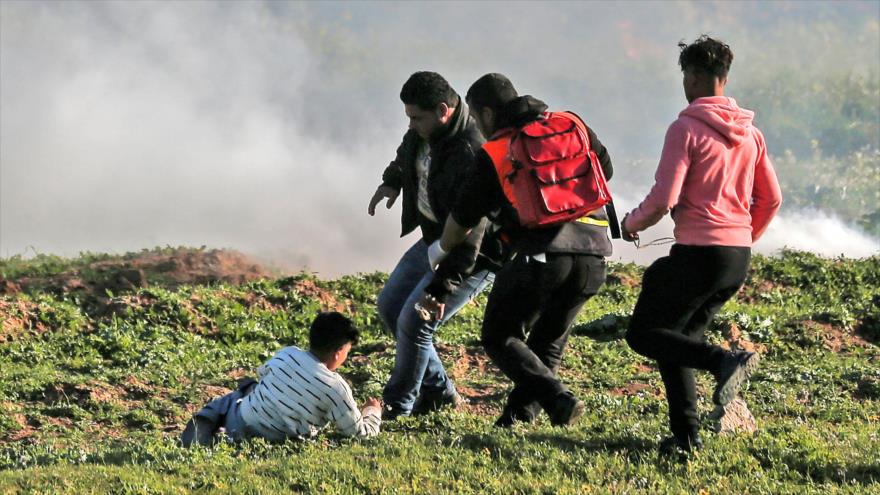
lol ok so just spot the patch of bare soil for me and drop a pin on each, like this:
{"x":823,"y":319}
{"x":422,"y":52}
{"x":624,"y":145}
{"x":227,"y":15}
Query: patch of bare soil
{"x":24,"y":429}
{"x":9,"y":287}
{"x":623,"y":279}
{"x":18,"y":317}
{"x":469,"y":371}
{"x":834,"y":338}
{"x":645,"y":368}
{"x":90,"y":393}
{"x":485,"y":400}
{"x":310,"y":289}
{"x":735,"y":341}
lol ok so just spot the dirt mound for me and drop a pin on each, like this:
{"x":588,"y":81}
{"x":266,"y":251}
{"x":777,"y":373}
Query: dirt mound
{"x":308,"y":288}
{"x":167,"y":268}
{"x":19,"y":317}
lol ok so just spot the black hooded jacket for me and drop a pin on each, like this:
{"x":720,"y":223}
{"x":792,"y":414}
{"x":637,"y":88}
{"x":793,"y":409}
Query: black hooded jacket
{"x":483,"y":196}
{"x":452,"y":156}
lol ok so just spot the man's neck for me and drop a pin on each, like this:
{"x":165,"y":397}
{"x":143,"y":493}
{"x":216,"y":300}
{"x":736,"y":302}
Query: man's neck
{"x":320,"y":359}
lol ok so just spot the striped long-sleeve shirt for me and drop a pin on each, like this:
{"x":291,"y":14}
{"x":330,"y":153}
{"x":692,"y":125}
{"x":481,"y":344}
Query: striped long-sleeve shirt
{"x":297,"y":395}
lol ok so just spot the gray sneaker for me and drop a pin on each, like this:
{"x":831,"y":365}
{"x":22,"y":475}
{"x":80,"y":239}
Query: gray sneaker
{"x":566,"y":410}
{"x":735,"y":370}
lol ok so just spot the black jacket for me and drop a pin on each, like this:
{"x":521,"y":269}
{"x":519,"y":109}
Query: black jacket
{"x":483,"y":196}
{"x":452,"y":156}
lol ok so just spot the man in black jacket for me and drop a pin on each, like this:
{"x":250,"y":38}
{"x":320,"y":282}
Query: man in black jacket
{"x":430,"y":168}
{"x":556,"y":269}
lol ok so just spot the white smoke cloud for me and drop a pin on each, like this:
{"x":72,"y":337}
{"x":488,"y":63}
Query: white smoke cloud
{"x":818,"y":232}
{"x":172,"y":125}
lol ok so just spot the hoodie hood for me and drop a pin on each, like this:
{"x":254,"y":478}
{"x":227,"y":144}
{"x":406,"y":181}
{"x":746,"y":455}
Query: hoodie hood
{"x":457,"y":123}
{"x":722,"y":114}
{"x":519,"y":111}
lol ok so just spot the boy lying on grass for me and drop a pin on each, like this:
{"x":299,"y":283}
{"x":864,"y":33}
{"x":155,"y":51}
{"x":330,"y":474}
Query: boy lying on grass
{"x":299,"y":392}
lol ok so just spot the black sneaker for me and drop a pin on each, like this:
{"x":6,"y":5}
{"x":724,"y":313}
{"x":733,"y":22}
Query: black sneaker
{"x":735,"y":370}
{"x":428,"y":403}
{"x":676,"y":447}
{"x":509,"y":417}
{"x":198,"y":430}
{"x":566,"y":409}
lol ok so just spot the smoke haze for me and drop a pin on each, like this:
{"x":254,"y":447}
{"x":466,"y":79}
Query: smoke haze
{"x":266,"y":126}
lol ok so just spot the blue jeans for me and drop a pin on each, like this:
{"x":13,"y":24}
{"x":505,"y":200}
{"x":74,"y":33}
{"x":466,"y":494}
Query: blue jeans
{"x":225,"y":412}
{"x":417,"y":368}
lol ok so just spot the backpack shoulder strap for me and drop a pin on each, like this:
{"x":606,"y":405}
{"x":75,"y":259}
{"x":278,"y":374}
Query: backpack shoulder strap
{"x":578,"y":122}
{"x":613,"y":223}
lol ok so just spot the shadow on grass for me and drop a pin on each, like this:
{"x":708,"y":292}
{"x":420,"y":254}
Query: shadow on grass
{"x":600,"y":444}
{"x":634,"y":447}
{"x":863,"y":474}
{"x":608,"y":328}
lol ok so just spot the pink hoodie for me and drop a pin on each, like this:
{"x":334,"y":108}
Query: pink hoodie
{"x":714,"y":175}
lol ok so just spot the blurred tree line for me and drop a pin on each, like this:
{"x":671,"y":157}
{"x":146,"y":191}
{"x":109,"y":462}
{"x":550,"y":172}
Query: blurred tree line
{"x":823,"y":132}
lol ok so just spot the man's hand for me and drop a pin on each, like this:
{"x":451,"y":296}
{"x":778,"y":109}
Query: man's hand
{"x":372,"y":402}
{"x":429,"y":308}
{"x":436,"y":254}
{"x":625,"y":234}
{"x":381,"y":193}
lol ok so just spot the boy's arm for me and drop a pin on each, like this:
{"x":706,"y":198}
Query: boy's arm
{"x":349,"y":420}
{"x":668,"y":181}
{"x":766,"y":194}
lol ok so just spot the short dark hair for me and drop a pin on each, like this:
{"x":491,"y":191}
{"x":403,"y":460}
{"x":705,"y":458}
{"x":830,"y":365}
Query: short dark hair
{"x":427,"y":90}
{"x":491,"y":91}
{"x":706,"y":55}
{"x":330,"y":331}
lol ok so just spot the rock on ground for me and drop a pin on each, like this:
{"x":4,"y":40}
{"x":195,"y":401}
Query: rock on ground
{"x":734,"y":417}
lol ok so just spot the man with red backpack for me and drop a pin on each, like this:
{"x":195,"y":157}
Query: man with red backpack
{"x":541,"y":177}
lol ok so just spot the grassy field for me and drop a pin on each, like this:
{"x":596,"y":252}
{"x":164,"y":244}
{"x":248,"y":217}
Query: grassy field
{"x":95,"y":388}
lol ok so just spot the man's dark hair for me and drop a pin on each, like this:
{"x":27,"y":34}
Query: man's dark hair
{"x":427,"y":90}
{"x":491,"y":91}
{"x":707,"y":56}
{"x":330,"y":331}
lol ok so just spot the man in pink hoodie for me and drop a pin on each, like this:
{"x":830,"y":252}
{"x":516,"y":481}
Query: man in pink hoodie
{"x":715,"y":178}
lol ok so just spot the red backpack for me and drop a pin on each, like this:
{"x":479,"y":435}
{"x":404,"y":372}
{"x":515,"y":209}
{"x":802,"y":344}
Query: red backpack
{"x":556,"y":176}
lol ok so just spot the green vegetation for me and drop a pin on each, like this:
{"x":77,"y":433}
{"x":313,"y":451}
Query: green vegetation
{"x":823,"y":132}
{"x":93,"y":401}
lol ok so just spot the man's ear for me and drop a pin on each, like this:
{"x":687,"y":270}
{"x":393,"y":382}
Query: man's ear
{"x":443,"y":112}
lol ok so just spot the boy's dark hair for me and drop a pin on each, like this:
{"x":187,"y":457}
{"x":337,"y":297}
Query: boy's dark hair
{"x":491,"y":91}
{"x":427,"y":90}
{"x":707,"y":56}
{"x":330,"y":331}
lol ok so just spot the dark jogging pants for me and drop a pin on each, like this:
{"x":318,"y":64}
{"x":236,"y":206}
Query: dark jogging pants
{"x":680,"y":295}
{"x":528,"y":320}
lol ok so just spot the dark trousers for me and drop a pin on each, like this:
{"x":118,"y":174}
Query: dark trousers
{"x":680,"y":295}
{"x":528,"y":320}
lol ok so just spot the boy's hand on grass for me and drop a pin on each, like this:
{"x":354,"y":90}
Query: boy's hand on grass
{"x":373,"y":402}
